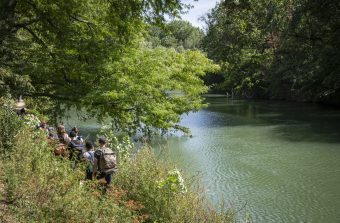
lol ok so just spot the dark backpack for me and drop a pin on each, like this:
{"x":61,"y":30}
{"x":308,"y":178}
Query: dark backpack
{"x":107,"y":161}
{"x":76,"y":149}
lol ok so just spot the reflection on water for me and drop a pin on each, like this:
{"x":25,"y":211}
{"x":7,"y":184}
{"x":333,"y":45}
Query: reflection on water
{"x":282,"y":159}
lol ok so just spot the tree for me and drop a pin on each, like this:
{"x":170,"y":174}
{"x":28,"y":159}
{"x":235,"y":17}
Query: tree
{"x":150,"y":88}
{"x":306,"y":65}
{"x":241,"y":37}
{"x":279,"y":49}
{"x":176,"y":34}
{"x":69,"y":50}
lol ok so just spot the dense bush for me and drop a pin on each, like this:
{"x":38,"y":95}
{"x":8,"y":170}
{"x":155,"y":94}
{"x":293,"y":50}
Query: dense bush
{"x":39,"y":187}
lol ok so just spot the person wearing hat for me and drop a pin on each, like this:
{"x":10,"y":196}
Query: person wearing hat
{"x":104,"y":162}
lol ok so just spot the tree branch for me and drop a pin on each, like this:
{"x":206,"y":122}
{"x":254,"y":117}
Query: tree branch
{"x":40,"y":41}
{"x":27,"y":23}
{"x":80,"y":20}
{"x":52,"y":96}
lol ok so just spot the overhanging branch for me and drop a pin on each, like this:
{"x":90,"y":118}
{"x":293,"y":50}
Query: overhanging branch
{"x":52,"y":96}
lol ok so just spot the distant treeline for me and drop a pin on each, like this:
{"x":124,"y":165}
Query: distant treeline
{"x":279,"y":49}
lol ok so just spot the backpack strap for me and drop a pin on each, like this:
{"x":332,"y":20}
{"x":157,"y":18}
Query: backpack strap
{"x":99,"y":158}
{"x":91,"y":157}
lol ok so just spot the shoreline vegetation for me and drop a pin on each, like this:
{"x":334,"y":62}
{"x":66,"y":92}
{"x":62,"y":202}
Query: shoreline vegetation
{"x":122,"y":60}
{"x":284,"y":50}
{"x":37,"y":186}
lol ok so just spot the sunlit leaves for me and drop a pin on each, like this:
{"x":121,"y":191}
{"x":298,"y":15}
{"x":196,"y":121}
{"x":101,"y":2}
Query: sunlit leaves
{"x":148,"y":89}
{"x":91,"y":53}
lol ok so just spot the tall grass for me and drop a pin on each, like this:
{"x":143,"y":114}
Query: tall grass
{"x":39,"y":187}
{"x":143,"y":178}
{"x":42,"y":188}
{"x":10,"y":125}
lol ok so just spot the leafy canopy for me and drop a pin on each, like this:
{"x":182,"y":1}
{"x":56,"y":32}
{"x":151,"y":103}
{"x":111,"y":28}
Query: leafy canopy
{"x":177,"y":34}
{"x":90,"y":53}
{"x":277,"y":49}
{"x":150,"y":88}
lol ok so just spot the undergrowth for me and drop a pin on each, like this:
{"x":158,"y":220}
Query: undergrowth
{"x":40,"y":187}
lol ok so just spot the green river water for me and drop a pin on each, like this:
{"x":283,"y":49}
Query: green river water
{"x":276,"y":161}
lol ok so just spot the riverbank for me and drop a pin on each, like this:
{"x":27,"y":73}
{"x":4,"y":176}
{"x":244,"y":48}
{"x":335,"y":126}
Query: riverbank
{"x":327,"y":104}
{"x":41,"y":187}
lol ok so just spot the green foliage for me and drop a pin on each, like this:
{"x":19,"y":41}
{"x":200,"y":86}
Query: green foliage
{"x":240,"y":37}
{"x":159,"y":189}
{"x":173,"y":183}
{"x":279,"y":49}
{"x":89,"y":53}
{"x":149,"y":89}
{"x":40,"y":187}
{"x":176,"y":34}
{"x":10,"y":125}
{"x":306,"y":65}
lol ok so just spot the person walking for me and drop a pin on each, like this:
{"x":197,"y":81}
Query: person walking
{"x":62,"y":135}
{"x":89,"y":158}
{"x":76,"y":130}
{"x":104,"y":162}
{"x":76,"y":149}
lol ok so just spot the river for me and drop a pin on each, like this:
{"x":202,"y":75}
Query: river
{"x":276,"y":161}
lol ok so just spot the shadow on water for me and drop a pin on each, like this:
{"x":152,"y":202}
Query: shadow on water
{"x":294,"y":122}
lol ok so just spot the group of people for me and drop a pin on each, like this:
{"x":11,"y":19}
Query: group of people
{"x":101,"y":163}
